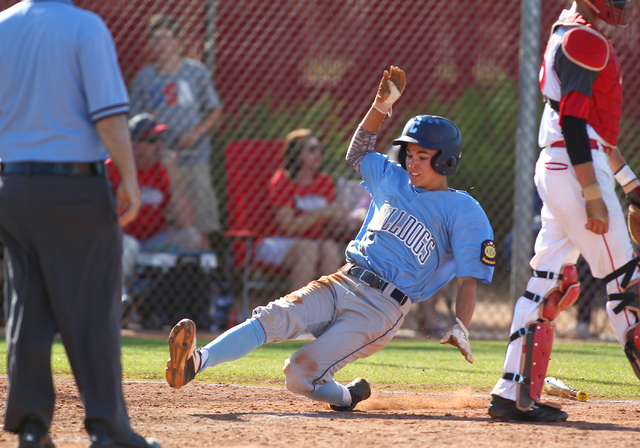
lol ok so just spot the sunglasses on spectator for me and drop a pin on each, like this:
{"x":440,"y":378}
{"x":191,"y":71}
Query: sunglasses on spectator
{"x":313,"y":148}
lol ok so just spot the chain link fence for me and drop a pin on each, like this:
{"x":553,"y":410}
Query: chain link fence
{"x":233,"y":79}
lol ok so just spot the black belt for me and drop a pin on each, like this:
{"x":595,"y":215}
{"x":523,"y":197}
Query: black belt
{"x":373,"y":280}
{"x":52,"y":168}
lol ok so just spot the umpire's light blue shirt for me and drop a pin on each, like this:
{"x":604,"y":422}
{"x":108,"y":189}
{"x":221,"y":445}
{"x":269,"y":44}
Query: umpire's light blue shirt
{"x":59,"y":74}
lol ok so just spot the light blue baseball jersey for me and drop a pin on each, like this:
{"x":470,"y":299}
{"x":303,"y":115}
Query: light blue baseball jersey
{"x":180,"y":99}
{"x":59,"y":74}
{"x":417,"y":239}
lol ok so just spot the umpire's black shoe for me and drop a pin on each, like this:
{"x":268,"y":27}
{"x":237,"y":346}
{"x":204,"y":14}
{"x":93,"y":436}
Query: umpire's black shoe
{"x":32,"y":435}
{"x":184,"y":361}
{"x":131,"y":440}
{"x":506,"y":410}
{"x":360,"y":390}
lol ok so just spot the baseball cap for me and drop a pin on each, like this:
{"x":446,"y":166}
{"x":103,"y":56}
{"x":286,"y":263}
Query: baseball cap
{"x":144,"y":125}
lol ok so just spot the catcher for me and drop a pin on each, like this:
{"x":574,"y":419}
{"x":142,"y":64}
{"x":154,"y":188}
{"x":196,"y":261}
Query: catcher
{"x":582,"y":84}
{"x":418,"y":235}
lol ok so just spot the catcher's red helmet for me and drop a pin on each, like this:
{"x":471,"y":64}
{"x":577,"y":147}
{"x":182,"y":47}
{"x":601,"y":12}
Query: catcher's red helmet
{"x":614,"y":12}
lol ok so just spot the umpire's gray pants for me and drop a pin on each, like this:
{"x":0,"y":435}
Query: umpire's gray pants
{"x":63,"y":271}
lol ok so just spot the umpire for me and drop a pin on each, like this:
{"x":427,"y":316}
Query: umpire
{"x":63,"y":106}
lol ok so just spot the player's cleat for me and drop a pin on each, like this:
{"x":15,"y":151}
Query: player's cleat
{"x":184,"y":361}
{"x":33,"y":436}
{"x":131,"y":440}
{"x":360,"y":390}
{"x":506,"y":410}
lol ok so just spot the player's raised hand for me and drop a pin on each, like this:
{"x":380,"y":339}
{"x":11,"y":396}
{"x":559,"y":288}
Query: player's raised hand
{"x":459,"y":337}
{"x":390,"y":89}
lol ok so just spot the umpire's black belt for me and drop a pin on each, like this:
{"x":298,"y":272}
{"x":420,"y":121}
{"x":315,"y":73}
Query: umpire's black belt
{"x":52,"y":169}
{"x":372,"y":279}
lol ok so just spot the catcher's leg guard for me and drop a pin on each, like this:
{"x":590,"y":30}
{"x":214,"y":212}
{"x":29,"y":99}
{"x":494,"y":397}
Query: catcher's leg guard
{"x":629,"y":298}
{"x":560,"y":298}
{"x":628,"y":301}
{"x":632,"y":347}
{"x":539,"y":335}
{"x":537,"y":351}
{"x":556,"y":302}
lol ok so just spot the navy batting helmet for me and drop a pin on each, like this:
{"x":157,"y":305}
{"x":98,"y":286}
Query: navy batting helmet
{"x":433,"y":132}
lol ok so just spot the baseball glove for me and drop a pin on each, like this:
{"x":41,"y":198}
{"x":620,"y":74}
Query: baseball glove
{"x":634,"y":222}
{"x":633,"y":197}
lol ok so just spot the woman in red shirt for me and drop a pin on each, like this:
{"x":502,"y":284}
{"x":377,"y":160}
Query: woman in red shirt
{"x":306,"y":212}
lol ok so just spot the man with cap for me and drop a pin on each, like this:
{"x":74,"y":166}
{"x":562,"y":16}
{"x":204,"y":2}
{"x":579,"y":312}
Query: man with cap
{"x":63,"y":107}
{"x":166,"y":213}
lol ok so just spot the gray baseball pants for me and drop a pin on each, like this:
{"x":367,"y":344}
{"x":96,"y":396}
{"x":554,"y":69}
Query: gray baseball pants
{"x":350,"y":320}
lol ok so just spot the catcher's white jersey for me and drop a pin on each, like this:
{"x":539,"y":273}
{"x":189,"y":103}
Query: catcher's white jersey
{"x":550,"y":130}
{"x":563,"y":236}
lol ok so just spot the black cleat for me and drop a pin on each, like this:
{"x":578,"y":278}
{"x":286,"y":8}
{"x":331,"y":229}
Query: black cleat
{"x":181,"y":366}
{"x":131,"y":440}
{"x":360,"y":390}
{"x":506,"y":410}
{"x":33,"y":435}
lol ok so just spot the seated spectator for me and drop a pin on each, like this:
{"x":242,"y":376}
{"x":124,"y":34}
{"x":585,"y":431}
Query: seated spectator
{"x":357,"y":199}
{"x":307,"y":213}
{"x":164,"y":221}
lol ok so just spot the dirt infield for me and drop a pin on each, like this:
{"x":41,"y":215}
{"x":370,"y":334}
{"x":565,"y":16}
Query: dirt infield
{"x":203,"y":415}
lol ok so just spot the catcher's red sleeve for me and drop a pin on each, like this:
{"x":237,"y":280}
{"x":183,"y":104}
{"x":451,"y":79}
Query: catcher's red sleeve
{"x":575,"y":104}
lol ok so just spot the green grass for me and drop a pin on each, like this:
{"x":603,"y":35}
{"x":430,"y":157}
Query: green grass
{"x":600,"y":369}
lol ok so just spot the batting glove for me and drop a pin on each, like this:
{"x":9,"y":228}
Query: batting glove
{"x":459,"y":337}
{"x":390,"y":89}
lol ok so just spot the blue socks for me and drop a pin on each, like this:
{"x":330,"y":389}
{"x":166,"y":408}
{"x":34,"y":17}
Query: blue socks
{"x":332,"y":393}
{"x":233,"y":344}
{"x":242,"y":339}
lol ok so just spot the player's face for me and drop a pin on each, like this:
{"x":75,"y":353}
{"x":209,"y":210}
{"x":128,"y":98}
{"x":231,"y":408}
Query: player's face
{"x":419,"y":168}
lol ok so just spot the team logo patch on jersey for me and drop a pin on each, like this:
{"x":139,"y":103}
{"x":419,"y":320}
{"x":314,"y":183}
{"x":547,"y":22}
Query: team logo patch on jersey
{"x":488,"y":253}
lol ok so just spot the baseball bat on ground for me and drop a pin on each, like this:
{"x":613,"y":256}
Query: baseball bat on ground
{"x":554,"y":386}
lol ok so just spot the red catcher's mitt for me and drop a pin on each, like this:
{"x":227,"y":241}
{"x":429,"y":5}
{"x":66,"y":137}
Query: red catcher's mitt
{"x":634,"y":223}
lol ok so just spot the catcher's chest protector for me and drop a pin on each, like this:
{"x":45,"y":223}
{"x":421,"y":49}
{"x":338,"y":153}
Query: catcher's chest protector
{"x":606,"y":94}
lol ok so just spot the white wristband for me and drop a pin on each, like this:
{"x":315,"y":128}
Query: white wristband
{"x":592,"y":191}
{"x":625,"y":175}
